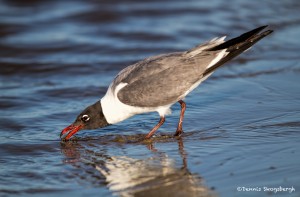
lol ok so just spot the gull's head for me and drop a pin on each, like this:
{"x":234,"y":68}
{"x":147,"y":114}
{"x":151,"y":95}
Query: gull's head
{"x":90,"y":118}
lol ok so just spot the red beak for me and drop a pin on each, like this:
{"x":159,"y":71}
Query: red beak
{"x":69,"y":131}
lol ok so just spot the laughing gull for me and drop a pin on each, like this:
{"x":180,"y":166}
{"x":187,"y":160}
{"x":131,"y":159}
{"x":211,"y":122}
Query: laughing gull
{"x":158,"y":82}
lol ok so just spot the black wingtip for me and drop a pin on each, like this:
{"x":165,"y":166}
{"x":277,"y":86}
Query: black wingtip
{"x":254,"y":31}
{"x":237,"y":45}
{"x":265,"y":33}
{"x":241,"y":38}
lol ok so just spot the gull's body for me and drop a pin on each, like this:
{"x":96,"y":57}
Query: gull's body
{"x":158,"y":82}
{"x":168,"y":79}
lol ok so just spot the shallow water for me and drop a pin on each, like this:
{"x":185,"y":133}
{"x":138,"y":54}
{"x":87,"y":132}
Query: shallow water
{"x":241,"y":125}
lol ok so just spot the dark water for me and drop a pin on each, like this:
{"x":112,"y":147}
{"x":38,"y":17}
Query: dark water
{"x":241,"y":125}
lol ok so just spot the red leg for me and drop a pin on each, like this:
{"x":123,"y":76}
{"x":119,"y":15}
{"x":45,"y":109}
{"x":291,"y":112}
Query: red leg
{"x":179,"y":127}
{"x":161,"y":121}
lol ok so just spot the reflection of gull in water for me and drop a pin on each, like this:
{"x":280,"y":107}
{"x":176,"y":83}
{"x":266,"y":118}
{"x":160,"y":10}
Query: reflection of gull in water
{"x":155,"y":176}
{"x":158,"y":175}
{"x":124,"y":172}
{"x":130,"y":177}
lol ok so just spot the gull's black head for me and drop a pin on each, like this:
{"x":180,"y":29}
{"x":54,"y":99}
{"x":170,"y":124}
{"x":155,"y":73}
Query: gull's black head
{"x":90,"y":118}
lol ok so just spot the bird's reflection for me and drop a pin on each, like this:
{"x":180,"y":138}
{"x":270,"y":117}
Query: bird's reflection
{"x":156,"y":175}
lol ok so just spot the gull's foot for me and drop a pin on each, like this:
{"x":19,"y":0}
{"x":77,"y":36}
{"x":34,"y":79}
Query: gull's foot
{"x":178,"y":132}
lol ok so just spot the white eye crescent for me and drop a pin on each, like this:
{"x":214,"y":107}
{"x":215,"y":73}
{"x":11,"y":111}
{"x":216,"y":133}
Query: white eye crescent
{"x":85,"y":118}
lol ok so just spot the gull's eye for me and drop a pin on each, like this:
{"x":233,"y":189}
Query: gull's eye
{"x":85,"y":118}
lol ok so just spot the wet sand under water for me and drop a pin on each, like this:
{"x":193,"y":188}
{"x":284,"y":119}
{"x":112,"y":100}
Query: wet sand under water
{"x":241,"y":125}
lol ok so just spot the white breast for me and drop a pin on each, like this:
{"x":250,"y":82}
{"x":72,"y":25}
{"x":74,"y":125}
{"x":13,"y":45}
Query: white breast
{"x":115,"y":111}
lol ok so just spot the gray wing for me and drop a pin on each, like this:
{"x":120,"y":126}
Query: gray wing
{"x":161,"y":80}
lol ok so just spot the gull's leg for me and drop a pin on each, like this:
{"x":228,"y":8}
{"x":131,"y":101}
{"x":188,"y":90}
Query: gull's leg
{"x":179,"y":127}
{"x":161,"y":121}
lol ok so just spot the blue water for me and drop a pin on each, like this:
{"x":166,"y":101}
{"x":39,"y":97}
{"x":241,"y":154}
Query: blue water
{"x":241,"y":125}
